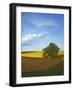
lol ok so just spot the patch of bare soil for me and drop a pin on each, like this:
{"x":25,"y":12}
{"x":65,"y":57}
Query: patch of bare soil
{"x":33,"y":64}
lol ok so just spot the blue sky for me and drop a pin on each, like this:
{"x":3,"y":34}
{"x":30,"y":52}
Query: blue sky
{"x":40,"y":29}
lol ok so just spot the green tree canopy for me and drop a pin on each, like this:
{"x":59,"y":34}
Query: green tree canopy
{"x":51,"y":50}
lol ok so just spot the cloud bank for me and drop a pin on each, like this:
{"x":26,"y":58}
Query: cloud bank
{"x":31,"y":37}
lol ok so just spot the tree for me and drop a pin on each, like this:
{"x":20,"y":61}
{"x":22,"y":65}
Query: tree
{"x":51,"y":50}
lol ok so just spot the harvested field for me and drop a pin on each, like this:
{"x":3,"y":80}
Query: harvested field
{"x":32,"y":66}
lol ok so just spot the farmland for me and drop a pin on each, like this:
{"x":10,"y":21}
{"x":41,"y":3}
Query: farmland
{"x":37,"y":54}
{"x":33,"y":64}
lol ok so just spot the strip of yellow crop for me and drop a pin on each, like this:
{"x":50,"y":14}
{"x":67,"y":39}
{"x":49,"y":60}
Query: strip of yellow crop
{"x":61,"y":53}
{"x":33,"y":54}
{"x":37,"y":54}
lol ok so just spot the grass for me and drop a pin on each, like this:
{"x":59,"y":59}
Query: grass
{"x":54,"y":71}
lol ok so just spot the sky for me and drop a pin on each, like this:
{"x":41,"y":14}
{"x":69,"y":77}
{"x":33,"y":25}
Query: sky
{"x":40,"y":29}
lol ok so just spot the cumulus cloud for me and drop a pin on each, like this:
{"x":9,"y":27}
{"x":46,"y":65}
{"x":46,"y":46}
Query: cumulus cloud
{"x":31,"y":37}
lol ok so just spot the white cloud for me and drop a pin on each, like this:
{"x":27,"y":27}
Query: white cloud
{"x":31,"y":36}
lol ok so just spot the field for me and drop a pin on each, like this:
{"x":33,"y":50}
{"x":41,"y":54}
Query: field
{"x":33,"y":64}
{"x":36,"y":54}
